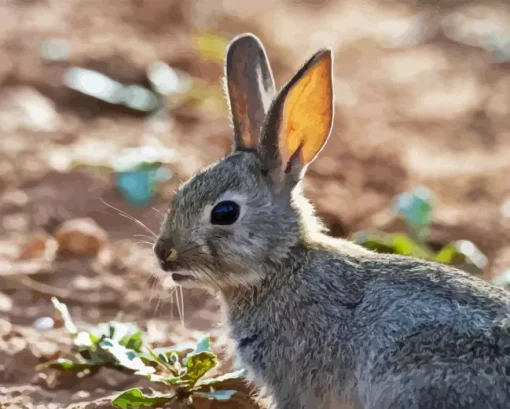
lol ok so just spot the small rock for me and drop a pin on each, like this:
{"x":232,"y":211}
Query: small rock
{"x":45,"y":349}
{"x":41,"y":244}
{"x":80,"y":238}
{"x":44,"y":323}
{"x":5,"y":328}
{"x":81,"y":395}
{"x":5,"y":303}
{"x":23,"y":107}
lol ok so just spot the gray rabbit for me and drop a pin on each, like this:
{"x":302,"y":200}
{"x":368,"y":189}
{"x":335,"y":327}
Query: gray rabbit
{"x":321,"y":322}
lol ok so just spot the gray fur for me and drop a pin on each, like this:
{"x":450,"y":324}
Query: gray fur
{"x":320,"y":322}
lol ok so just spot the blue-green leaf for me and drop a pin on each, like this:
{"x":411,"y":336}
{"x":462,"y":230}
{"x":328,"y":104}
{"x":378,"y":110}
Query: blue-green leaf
{"x":126,"y":357}
{"x":204,"y":345}
{"x":216,"y":395}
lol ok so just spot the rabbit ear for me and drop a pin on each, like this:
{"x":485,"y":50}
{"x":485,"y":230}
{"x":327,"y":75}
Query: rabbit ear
{"x":251,"y":88}
{"x":300,"y":120}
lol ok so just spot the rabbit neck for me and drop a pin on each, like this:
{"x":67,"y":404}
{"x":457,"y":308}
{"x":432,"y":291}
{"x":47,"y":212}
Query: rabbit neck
{"x":294,"y":267}
{"x":295,"y":300}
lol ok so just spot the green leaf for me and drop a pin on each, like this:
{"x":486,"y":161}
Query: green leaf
{"x":203,"y":345}
{"x":173,"y":358}
{"x":216,"y":395}
{"x":197,"y":365}
{"x":134,"y":399}
{"x":403,"y":244}
{"x":163,"y":359}
{"x":126,"y":357}
{"x":62,"y":313}
{"x":176,"y":348}
{"x":222,"y":378}
{"x":67,"y":364}
{"x":449,"y":255}
{"x":133,"y":341}
{"x":153,"y":355}
{"x":99,"y":332}
{"x":167,"y":380}
{"x":84,"y":340}
{"x":397,"y":243}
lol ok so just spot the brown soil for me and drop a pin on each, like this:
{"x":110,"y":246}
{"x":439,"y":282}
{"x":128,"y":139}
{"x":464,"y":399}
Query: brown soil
{"x":419,"y":101}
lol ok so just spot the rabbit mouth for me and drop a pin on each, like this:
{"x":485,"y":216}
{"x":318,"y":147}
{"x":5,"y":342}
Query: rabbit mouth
{"x":178,"y":277}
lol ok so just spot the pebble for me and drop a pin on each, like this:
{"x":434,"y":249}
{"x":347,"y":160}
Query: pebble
{"x":80,"y":238}
{"x":44,"y":323}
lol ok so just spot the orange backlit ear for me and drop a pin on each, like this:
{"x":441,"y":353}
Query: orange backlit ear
{"x":307,"y":111}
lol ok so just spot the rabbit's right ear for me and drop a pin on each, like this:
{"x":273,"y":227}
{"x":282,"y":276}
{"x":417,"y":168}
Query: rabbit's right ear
{"x":251,"y":88}
{"x":299,"y":122}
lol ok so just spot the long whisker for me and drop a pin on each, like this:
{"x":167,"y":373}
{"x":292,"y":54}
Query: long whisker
{"x":157,"y":211}
{"x":210,"y":278}
{"x":177,"y":303}
{"x":145,"y":236}
{"x":133,"y":219}
{"x":144,"y":242}
{"x":182,"y":305}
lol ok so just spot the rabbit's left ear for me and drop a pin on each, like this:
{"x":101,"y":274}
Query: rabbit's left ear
{"x":299,"y":122}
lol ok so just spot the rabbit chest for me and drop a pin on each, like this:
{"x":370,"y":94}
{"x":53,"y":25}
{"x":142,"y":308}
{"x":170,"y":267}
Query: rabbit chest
{"x":269,"y":343}
{"x":284,"y":355}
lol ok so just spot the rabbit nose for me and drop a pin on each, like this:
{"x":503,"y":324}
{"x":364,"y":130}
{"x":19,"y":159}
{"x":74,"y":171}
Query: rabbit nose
{"x":165,"y":252}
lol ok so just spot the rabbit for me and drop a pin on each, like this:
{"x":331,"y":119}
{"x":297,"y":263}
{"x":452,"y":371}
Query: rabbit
{"x":321,"y":322}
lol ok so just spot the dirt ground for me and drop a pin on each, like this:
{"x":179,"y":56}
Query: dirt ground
{"x":420,"y":99}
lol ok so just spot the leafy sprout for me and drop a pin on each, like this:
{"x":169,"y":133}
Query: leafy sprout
{"x":416,"y":210}
{"x":179,"y":369}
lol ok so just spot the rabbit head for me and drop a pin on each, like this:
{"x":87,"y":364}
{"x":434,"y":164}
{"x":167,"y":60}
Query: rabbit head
{"x":246,"y":210}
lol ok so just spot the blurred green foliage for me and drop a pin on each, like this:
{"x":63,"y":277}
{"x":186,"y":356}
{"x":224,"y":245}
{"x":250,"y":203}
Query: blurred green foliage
{"x":416,"y":209}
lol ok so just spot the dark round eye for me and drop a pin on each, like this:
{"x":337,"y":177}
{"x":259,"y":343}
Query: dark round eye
{"x":225,"y":213}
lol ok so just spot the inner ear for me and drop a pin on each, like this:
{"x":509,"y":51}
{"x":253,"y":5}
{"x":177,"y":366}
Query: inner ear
{"x":299,"y":122}
{"x":250,"y":87}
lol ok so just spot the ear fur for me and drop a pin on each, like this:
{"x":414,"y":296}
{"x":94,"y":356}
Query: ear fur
{"x":250,"y":88}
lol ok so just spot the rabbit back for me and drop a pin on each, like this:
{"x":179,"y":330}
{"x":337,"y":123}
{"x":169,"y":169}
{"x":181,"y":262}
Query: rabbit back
{"x":432,"y":337}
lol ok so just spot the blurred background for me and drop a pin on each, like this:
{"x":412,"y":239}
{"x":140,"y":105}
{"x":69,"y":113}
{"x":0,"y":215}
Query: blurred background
{"x":105,"y":107}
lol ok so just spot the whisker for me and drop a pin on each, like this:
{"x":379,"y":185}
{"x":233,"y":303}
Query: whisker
{"x":157,"y":211}
{"x":182,"y":305}
{"x":158,"y":305}
{"x":216,"y":265}
{"x":177,"y":302}
{"x":210,"y":278}
{"x":144,"y":242}
{"x":145,"y":236}
{"x":172,"y":292}
{"x":132,"y":218}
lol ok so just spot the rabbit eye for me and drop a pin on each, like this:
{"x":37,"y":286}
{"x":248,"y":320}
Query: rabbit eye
{"x":225,"y":213}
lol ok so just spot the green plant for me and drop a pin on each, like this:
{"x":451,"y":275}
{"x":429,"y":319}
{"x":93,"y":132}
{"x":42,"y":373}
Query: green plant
{"x":120,"y":346}
{"x":416,"y":209}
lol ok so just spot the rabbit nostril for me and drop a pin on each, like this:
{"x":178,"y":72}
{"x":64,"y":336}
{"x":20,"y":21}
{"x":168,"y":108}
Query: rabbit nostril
{"x":171,"y":255}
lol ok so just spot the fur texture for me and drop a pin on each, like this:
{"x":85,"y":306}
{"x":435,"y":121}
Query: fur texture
{"x":320,"y":322}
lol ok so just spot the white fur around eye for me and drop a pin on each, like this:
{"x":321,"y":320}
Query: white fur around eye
{"x":240,"y":199}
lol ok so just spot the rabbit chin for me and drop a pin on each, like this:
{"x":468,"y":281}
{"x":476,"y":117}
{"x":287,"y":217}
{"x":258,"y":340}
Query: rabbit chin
{"x":185,"y":279}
